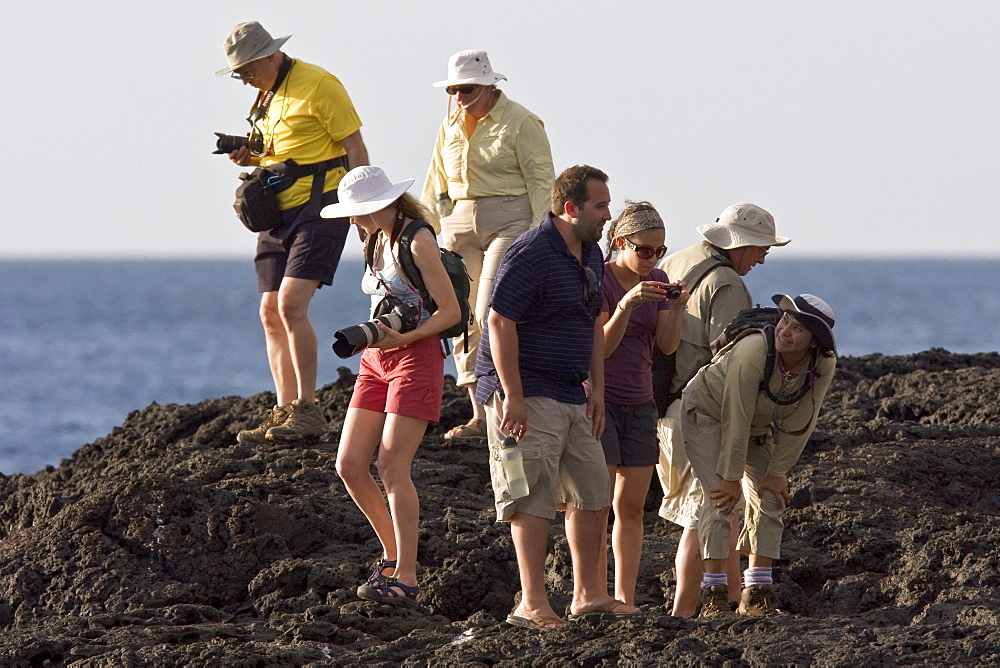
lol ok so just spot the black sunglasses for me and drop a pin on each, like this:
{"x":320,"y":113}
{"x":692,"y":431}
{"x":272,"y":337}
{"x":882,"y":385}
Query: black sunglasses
{"x":646,"y":252}
{"x":465,"y":90}
{"x":591,"y":287}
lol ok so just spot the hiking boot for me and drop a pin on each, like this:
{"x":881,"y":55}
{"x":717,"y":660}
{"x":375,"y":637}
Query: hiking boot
{"x":715,"y":602}
{"x":272,"y":418}
{"x":759,"y":601}
{"x":305,"y":421}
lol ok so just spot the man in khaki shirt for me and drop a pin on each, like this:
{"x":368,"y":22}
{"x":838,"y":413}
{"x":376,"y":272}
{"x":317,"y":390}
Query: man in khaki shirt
{"x":735,"y":243}
{"x":490,"y":179}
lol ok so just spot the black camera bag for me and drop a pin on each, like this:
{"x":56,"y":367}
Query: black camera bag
{"x":256,"y":201}
{"x":257,"y":196}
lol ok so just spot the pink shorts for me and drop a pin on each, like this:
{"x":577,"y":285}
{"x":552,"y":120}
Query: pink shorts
{"x":406,"y":381}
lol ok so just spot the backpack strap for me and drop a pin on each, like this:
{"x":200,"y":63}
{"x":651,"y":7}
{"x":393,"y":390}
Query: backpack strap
{"x":404,"y":238}
{"x":769,"y":362}
{"x":664,"y":366}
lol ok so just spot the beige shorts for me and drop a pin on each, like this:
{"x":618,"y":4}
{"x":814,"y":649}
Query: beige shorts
{"x":682,"y":494}
{"x":563,"y":462}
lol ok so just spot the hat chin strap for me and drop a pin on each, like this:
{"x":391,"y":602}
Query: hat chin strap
{"x":465,"y":107}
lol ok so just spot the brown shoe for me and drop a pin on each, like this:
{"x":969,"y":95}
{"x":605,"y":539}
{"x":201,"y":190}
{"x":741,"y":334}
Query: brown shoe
{"x":715,"y":602}
{"x":305,"y":421}
{"x":759,"y":601}
{"x":272,"y":418}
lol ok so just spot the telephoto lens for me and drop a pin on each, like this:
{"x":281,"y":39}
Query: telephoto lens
{"x":226,"y":144}
{"x":352,"y":340}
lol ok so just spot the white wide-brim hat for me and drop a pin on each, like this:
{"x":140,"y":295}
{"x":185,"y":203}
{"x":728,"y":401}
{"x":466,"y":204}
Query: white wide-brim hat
{"x":249,"y":42}
{"x":364,"y":190}
{"x":813,"y":313}
{"x":470,"y":67}
{"x":742,"y":224}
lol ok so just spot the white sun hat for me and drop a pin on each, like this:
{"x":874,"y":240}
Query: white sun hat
{"x":812,"y":312}
{"x":365,"y":190}
{"x":470,"y":67}
{"x":742,"y":224}
{"x":249,"y":42}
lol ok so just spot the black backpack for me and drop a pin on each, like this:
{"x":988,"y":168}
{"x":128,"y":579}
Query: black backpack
{"x":763,"y":319}
{"x":453,"y":264}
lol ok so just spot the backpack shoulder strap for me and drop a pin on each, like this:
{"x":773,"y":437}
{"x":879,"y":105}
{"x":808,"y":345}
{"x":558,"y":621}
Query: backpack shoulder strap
{"x":701,"y":270}
{"x":405,"y":256}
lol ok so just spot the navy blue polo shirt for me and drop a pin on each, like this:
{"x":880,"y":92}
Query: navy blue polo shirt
{"x":542,"y":287}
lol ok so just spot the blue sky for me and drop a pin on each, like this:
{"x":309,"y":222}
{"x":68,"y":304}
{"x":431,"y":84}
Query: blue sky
{"x":866,"y":128}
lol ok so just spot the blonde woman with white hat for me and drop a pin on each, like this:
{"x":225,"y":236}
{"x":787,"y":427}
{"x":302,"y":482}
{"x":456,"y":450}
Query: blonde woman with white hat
{"x":401,"y":377}
{"x":489,"y":181}
{"x":743,"y":431}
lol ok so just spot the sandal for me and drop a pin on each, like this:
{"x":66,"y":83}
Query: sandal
{"x":380,"y":565}
{"x":606,"y":609}
{"x":390,"y":590}
{"x":473,"y":429}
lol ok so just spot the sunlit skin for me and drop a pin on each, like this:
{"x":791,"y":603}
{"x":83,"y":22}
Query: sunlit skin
{"x":593,"y":214}
{"x":746,"y":258}
{"x":476,"y":103}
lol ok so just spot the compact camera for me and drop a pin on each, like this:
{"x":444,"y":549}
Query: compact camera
{"x":226,"y":144}
{"x":673,"y":290}
{"x":391,"y":312}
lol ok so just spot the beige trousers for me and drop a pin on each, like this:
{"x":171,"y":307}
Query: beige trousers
{"x":481,"y":230}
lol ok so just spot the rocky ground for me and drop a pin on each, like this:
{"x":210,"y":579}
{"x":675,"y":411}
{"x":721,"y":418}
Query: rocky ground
{"x":165,"y":544}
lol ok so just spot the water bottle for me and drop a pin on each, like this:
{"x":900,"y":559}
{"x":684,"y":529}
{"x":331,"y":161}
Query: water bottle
{"x":513,"y":468}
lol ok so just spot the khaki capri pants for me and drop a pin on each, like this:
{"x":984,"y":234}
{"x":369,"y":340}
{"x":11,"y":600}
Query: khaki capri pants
{"x":763,"y":520}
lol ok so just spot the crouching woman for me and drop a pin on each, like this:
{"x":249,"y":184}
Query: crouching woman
{"x":401,"y":377}
{"x":743,"y":435}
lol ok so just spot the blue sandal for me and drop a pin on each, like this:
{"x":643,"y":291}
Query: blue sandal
{"x":377,"y":577}
{"x":390,"y":590}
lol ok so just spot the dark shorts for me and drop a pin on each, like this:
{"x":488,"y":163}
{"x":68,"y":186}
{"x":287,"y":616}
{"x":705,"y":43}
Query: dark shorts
{"x":629,"y":437}
{"x":304,"y":246}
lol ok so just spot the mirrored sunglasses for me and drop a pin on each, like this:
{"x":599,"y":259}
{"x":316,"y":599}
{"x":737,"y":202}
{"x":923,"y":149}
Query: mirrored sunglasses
{"x":465,"y":90}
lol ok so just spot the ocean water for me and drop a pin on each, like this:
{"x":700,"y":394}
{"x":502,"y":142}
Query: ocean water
{"x":83,"y":343}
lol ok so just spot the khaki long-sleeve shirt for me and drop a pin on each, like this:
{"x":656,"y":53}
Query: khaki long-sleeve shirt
{"x":713,"y":304}
{"x":508,"y":154}
{"x":728,"y":390}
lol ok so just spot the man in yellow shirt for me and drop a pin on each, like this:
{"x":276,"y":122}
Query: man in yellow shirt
{"x":489,"y":180}
{"x":302,"y":113}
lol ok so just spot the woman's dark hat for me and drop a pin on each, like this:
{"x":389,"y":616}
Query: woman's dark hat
{"x":812,"y":312}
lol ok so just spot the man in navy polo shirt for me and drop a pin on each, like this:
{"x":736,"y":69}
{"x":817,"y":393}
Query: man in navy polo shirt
{"x":540,"y":343}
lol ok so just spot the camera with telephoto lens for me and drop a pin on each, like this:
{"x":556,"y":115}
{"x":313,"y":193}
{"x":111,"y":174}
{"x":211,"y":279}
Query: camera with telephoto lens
{"x":391,"y":312}
{"x":226,"y":144}
{"x":673,"y":290}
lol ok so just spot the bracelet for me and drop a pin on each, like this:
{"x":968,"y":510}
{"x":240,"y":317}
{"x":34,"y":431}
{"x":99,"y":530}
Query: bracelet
{"x":625,"y":310}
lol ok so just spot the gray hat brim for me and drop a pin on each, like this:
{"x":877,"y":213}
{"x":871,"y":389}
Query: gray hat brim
{"x":264,"y":52}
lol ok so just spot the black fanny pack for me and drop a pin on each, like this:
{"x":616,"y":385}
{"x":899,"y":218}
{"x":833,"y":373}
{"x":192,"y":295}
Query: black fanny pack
{"x":257,"y":195}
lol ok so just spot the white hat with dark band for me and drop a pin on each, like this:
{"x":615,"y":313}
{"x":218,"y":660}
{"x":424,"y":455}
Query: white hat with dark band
{"x":813,"y":313}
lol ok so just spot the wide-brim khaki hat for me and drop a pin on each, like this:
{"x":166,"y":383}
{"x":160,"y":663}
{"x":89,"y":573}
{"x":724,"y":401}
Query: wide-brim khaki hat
{"x":249,"y":42}
{"x":814,"y":314}
{"x":742,"y":224}
{"x":470,"y":67}
{"x":364,"y":190}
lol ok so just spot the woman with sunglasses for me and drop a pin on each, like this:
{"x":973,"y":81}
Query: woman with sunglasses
{"x":641,"y":309}
{"x":489,"y":180}
{"x":401,"y":378}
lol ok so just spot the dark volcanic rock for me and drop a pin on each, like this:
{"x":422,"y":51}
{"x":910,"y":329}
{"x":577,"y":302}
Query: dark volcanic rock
{"x":165,"y":543}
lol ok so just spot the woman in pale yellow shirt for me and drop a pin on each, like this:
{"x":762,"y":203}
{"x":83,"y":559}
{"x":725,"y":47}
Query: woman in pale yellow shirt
{"x":489,"y":180}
